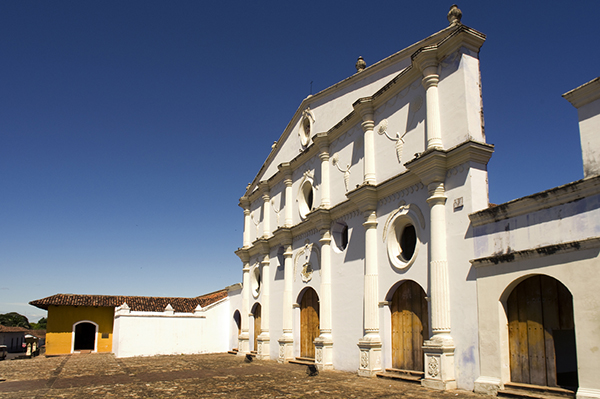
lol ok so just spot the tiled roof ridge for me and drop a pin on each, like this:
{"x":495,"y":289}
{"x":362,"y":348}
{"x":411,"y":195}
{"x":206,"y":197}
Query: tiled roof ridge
{"x":136,"y":303}
{"x":13,"y":329}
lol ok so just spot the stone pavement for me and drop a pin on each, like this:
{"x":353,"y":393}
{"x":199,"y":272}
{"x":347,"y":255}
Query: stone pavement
{"x":191,"y":376}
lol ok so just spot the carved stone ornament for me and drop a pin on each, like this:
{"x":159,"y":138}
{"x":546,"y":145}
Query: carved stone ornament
{"x":335,"y":160}
{"x":364,"y":359}
{"x":281,"y":351}
{"x":433,"y":369}
{"x":360,"y":64}
{"x":454,"y":15}
{"x":259,"y":351}
{"x":319,"y":355}
{"x":306,"y":272}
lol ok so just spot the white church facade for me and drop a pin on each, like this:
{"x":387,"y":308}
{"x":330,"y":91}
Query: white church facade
{"x":369,"y":242}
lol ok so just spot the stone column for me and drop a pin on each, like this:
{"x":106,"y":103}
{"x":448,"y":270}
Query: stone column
{"x":365,"y":107}
{"x":324,"y":342}
{"x":264,"y":187}
{"x":427,"y":62}
{"x":245,"y":204}
{"x":439,"y":350}
{"x":244,"y":337}
{"x":264,"y":339}
{"x":322,"y":141}
{"x":370,"y":344}
{"x":286,"y":342}
{"x":287,"y":170}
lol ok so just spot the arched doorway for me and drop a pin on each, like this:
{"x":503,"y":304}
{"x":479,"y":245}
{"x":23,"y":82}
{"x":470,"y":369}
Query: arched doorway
{"x":309,"y":322}
{"x":410,"y":326}
{"x":541,"y":333}
{"x":257,"y":325}
{"x":85,"y":336}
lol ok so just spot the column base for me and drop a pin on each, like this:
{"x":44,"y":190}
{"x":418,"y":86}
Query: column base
{"x":487,"y":385}
{"x":439,"y":364}
{"x":243,"y":344}
{"x":370,"y":355}
{"x":324,"y":352}
{"x":263,"y":342}
{"x":286,"y":348}
{"x":588,"y":393}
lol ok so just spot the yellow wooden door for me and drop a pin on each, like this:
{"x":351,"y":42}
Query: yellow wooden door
{"x":309,"y":323}
{"x":257,"y":326}
{"x":410,"y":326}
{"x":542,"y":333}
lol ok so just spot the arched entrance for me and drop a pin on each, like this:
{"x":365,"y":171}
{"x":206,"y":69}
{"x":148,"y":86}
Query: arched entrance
{"x":309,"y":322}
{"x":542,"y":333}
{"x":410,"y":326}
{"x":257,"y":325}
{"x":85,"y":336}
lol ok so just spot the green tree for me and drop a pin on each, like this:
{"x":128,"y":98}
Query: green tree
{"x":13,"y":319}
{"x":40,"y":325}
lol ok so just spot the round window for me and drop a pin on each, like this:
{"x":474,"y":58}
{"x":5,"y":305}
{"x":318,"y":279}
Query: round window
{"x":402,"y":242}
{"x":408,"y":242}
{"x":305,"y":128}
{"x":306,"y":199}
{"x":255,"y":281}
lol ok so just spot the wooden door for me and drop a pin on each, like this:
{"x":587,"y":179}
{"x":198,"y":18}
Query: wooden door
{"x":542,"y":333}
{"x":410,"y":326}
{"x":257,"y":326}
{"x":309,"y":323}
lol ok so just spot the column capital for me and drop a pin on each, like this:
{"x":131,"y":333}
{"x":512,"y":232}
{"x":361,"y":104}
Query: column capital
{"x":264,"y":188}
{"x":426,"y":59}
{"x":364,"y":107}
{"x":322,"y":141}
{"x":286,"y":169}
{"x":322,"y":219}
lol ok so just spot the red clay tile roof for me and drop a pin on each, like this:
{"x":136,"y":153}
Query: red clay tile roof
{"x":5,"y":329}
{"x":135,"y":303}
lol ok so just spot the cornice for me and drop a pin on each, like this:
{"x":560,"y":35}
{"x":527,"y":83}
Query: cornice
{"x":543,"y":200}
{"x":243,"y":254}
{"x":321,"y":218}
{"x":430,"y":166}
{"x":554,"y":249}
{"x":281,"y":236}
{"x":364,"y":197}
{"x":584,"y":94}
{"x":469,"y":151}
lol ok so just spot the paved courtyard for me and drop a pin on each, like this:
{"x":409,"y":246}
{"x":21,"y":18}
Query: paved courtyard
{"x":192,"y":376}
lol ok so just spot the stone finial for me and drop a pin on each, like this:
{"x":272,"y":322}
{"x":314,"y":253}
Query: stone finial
{"x":360,"y":64}
{"x":454,"y":15}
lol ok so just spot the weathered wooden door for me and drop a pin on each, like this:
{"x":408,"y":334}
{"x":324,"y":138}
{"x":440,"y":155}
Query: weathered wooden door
{"x":542,"y":333}
{"x":309,"y":323}
{"x":257,"y":326}
{"x":410,"y":326}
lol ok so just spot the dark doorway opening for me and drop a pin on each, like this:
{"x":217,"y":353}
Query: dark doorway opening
{"x":85,"y":336}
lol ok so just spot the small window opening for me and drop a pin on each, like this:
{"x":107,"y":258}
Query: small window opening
{"x":309,"y":199}
{"x":408,"y":242}
{"x":344,"y":237}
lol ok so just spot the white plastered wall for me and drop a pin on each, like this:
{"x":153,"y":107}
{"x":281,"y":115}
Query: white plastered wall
{"x":166,"y":333}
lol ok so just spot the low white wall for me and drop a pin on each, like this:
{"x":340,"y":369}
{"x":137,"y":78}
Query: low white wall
{"x":169,"y":333}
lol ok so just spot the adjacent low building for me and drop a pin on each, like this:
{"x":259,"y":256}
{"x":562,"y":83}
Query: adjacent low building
{"x":137,"y":326}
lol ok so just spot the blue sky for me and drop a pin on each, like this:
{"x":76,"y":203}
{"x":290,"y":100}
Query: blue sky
{"x":129,"y":129}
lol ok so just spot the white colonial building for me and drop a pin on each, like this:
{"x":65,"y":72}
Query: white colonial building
{"x":357,"y":238}
{"x":369,"y":242}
